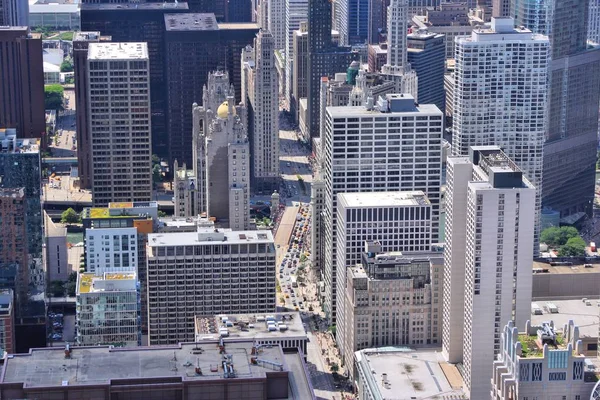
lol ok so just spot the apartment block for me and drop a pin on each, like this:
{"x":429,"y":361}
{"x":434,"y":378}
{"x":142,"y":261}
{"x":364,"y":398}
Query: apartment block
{"x":543,"y":361}
{"x":22,"y":76}
{"x":391,"y":299}
{"x":392,"y":146}
{"x":111,"y":250}
{"x":206,"y":272}
{"x":490,"y":223}
{"x":56,"y":259}
{"x":108,"y":309}
{"x":513,"y":120}
{"x":119,"y":122}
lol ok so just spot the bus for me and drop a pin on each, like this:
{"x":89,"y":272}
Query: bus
{"x":294,"y":280}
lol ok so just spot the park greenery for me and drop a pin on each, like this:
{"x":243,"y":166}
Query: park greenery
{"x":575,"y":247}
{"x":60,"y":288}
{"x":566,"y":239}
{"x":54,"y":97}
{"x":67,"y":65}
{"x":70,"y":216}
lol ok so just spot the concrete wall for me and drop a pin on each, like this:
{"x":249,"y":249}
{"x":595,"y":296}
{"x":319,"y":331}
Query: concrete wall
{"x":567,"y":286}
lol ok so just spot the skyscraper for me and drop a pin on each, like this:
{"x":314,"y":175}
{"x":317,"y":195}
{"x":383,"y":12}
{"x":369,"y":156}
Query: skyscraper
{"x":195,"y":46}
{"x":119,"y":122}
{"x":398,"y":159}
{"x":487,"y":259}
{"x":300,"y":69}
{"x":261,"y":96}
{"x":500,"y":96}
{"x":296,"y":11}
{"x":426,"y":55}
{"x":594,"y":22}
{"x":22,"y":77}
{"x":574,"y":94}
{"x":276,"y":26}
{"x":352,"y":21}
{"x":14,"y":13}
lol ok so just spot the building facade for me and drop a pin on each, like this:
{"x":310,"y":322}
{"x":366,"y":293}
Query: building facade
{"x":206,"y":272}
{"x":198,"y":40}
{"x":22,"y":76}
{"x":56,"y":258}
{"x":521,"y":117}
{"x":185,"y":190}
{"x":260,"y":94}
{"x":300,"y":69}
{"x":426,"y":55}
{"x":407,"y":141}
{"x":111,"y":250}
{"x":222,"y":155}
{"x":296,"y":12}
{"x":7,"y":322}
{"x":14,"y":13}
{"x":490,"y":223}
{"x":119,"y":122}
{"x":594,"y":22}
{"x":108,"y":309}
{"x":391,"y":300}
{"x":276,"y":24}
{"x":14,"y":254}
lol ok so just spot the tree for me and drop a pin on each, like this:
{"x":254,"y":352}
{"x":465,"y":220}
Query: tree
{"x":555,"y":236}
{"x":69,"y":217}
{"x":162,"y":214}
{"x":334,"y":368}
{"x":54,"y":97}
{"x":575,"y":247}
{"x":56,"y":289}
{"x":66,"y":65}
{"x":155,"y":159}
{"x":156,"y":173}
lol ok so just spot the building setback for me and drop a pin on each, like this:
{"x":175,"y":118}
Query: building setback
{"x":22,"y":76}
{"x":403,"y":142}
{"x":81,"y":42}
{"x":119,"y":122}
{"x":195,"y":46}
{"x":490,"y":227}
{"x":139,"y":22}
{"x":206,"y":272}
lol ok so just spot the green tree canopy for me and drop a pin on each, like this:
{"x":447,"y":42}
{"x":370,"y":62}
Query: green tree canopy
{"x":555,"y":236}
{"x":69,"y":217}
{"x":67,"y":65}
{"x":575,"y":247}
{"x":54,"y":97}
{"x":156,"y":173}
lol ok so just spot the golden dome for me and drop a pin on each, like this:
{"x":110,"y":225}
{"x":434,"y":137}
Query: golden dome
{"x":223,"y":110}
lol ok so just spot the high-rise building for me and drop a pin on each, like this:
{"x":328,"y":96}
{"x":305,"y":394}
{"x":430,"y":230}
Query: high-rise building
{"x":490,"y":223}
{"x":184,"y":281}
{"x":22,"y":76}
{"x":260,"y":95}
{"x":14,"y":254}
{"x":352,"y":21}
{"x":55,"y":251}
{"x":222,"y":155}
{"x":377,"y":20}
{"x":81,"y":42}
{"x":502,"y":8}
{"x":7,"y":322}
{"x":276,"y":25}
{"x":574,"y":92}
{"x":186,"y":191}
{"x":391,"y":299}
{"x":296,"y":11}
{"x":426,"y":55}
{"x":594,"y":22}
{"x":119,"y":122}
{"x":111,"y":250}
{"x":513,"y":119}
{"x":108,"y":309}
{"x":14,"y":13}
{"x":403,"y":153}
{"x":197,"y":39}
{"x":300,"y":68}
{"x":239,"y":11}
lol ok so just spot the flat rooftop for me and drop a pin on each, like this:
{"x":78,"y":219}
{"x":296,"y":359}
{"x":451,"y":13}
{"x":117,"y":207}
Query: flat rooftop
{"x":100,"y":364}
{"x":411,"y":374}
{"x":91,"y":283}
{"x":191,"y":22}
{"x":206,"y":236}
{"x":361,"y":111}
{"x":585,"y":317}
{"x":209,"y":326}
{"x":136,"y":6}
{"x":118,"y":51}
{"x":383,"y":199}
{"x":86,"y":36}
{"x":541,"y":267}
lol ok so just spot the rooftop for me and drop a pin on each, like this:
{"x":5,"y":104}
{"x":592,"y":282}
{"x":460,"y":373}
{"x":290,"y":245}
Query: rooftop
{"x":403,"y":373}
{"x":383,"y":199}
{"x":12,"y":192}
{"x":91,"y":283}
{"x":541,"y":267}
{"x":100,"y":364}
{"x":86,"y":36}
{"x":11,"y":144}
{"x":359,"y":111}
{"x":136,"y":6}
{"x":208,"y":327}
{"x":205,"y":236}
{"x":586,"y":317}
{"x":118,"y":51}
{"x":191,"y":22}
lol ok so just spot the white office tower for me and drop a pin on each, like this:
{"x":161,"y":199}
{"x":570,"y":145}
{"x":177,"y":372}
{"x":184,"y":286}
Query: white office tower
{"x":222,"y":153}
{"x":207,"y":272}
{"x":394,"y":145}
{"x":397,"y":221}
{"x":111,"y":250}
{"x":594,"y":21}
{"x":276,"y":22}
{"x":260,"y":96}
{"x":397,"y":67}
{"x":119,"y":119}
{"x":490,"y":223}
{"x":296,"y":11}
{"x":500,"y":96}
{"x":108,"y":309}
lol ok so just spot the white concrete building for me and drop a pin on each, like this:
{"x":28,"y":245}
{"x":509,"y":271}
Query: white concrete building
{"x":111,"y":250}
{"x":393,"y":146}
{"x":276,"y":22}
{"x":594,"y":22}
{"x":296,"y":11}
{"x":490,"y":222}
{"x":206,"y":272}
{"x":222,"y":154}
{"x":542,"y":362}
{"x":500,"y":96}
{"x":390,"y":299}
{"x":186,"y":192}
{"x":119,"y":122}
{"x":108,"y":309}
{"x":260,"y":95}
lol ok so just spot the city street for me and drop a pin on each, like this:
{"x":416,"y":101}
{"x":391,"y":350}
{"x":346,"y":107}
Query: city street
{"x":65,"y":140}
